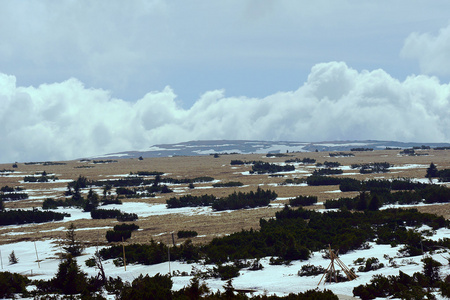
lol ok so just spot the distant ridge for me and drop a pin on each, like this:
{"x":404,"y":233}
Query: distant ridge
{"x":195,"y":148}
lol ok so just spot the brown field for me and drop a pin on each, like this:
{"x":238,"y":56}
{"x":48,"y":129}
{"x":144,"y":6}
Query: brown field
{"x":208,"y":226}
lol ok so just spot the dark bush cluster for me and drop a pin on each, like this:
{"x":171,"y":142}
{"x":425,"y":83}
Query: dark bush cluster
{"x":328,"y":164}
{"x":327,"y":171}
{"x":245,"y":200}
{"x":403,"y":286}
{"x":311,"y":270}
{"x":380,"y":196}
{"x":190,"y":201}
{"x":305,"y":160}
{"x":372,"y":167}
{"x":186,"y":234}
{"x":13,"y":196}
{"x":303,"y":201}
{"x":265,"y":167}
{"x":361,"y":149}
{"x":43,"y":178}
{"x":21,"y":216}
{"x":341,"y":154}
{"x":113,"y":213}
{"x":293,"y":181}
{"x":228,"y":184}
{"x":315,"y":180}
{"x":8,"y":189}
{"x":12,"y":284}
{"x":121,"y":232}
{"x":370,"y":264}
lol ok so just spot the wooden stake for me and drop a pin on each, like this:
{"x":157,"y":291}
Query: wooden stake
{"x":37,"y":257}
{"x":124,"y":260}
{"x":168,"y":254}
{"x":1,"y":259}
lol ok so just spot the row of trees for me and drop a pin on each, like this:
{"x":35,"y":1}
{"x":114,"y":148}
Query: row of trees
{"x":264,"y":167}
{"x":233,"y":201}
{"x":113,"y":214}
{"x":378,"y":197}
{"x":20,"y":216}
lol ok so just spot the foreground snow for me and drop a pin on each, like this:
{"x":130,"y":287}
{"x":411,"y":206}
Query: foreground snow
{"x":280,"y":280}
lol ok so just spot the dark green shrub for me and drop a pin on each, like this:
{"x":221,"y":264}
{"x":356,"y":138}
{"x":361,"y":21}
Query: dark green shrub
{"x":264,"y":167}
{"x":311,"y":270}
{"x":225,"y":272}
{"x":157,"y":287}
{"x":124,"y":226}
{"x":117,"y":236}
{"x":371,"y":264}
{"x":12,"y":283}
{"x":190,"y":201}
{"x":303,"y":201}
{"x":228,"y":184}
{"x":186,"y":234}
{"x":322,"y":180}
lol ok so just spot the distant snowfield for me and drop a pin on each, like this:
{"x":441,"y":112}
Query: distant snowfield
{"x":280,"y":280}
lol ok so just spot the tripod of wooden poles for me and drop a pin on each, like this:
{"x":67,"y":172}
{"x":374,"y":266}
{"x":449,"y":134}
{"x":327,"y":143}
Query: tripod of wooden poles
{"x":331,"y":270}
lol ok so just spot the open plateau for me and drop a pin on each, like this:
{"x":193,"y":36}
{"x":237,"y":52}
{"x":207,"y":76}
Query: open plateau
{"x":179,"y":203}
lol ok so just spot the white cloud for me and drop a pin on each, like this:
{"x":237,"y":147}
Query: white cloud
{"x":432,"y":51}
{"x":67,"y":120}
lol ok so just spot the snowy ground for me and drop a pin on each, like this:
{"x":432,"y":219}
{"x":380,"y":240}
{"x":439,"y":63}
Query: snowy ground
{"x":279,"y":280}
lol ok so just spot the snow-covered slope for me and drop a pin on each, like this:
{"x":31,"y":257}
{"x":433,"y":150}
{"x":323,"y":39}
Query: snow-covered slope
{"x":194,"y":148}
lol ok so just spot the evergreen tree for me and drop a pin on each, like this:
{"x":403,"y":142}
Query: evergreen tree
{"x":13,"y":258}
{"x":361,"y":204}
{"x":92,"y":201}
{"x":374,"y":203}
{"x":69,"y":279}
{"x":432,"y":171}
{"x":74,"y":248}
{"x":431,"y":269}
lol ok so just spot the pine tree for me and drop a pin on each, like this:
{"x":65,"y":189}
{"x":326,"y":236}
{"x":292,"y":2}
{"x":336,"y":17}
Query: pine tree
{"x":374,"y":203}
{"x":13,"y":258}
{"x":432,"y":171}
{"x":92,"y":201}
{"x":69,"y":279}
{"x":74,"y":247}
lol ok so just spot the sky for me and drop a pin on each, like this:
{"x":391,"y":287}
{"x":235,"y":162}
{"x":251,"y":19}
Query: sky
{"x":85,"y":78}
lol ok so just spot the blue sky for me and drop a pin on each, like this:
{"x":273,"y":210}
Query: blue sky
{"x":167,"y":58}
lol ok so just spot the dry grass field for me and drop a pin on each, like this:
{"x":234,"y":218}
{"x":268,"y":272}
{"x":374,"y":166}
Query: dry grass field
{"x":208,"y":225}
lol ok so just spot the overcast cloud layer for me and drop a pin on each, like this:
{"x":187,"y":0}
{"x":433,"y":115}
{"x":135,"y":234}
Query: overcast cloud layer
{"x":65,"y":120}
{"x":82,"y":78}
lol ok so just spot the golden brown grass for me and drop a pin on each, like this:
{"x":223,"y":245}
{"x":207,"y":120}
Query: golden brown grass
{"x":208,"y":226}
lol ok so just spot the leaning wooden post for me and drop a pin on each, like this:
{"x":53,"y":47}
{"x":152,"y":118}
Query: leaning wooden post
{"x":37,"y":257}
{"x":124,"y":259}
{"x":1,"y":259}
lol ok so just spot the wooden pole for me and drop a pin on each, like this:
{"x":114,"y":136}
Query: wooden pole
{"x":168,"y":254}
{"x":37,"y":257}
{"x":124,"y":259}
{"x":1,"y":259}
{"x":173,"y":240}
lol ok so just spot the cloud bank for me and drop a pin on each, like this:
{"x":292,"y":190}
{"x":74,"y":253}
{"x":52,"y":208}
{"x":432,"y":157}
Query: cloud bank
{"x":432,"y":51}
{"x":66,"y":120}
